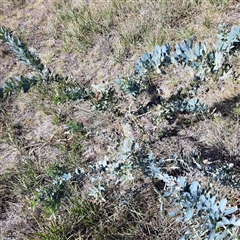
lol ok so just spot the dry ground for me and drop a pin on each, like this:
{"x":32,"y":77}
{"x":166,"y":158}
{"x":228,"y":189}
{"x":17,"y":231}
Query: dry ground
{"x":95,"y":41}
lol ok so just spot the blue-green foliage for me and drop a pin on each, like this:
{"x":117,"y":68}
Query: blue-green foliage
{"x":225,"y":175}
{"x":189,"y":55}
{"x":202,"y":210}
{"x":106,"y":96}
{"x":76,"y":92}
{"x":195,"y":56}
{"x":67,"y":90}
{"x":199,"y":208}
{"x":130,"y":85}
{"x":17,"y":84}
{"x":206,"y":63}
{"x":21,"y":50}
{"x":189,"y":106}
{"x":159,"y":58}
{"x":51,"y":196}
{"x":229,"y":41}
{"x":206,"y":215}
{"x":40,"y":72}
{"x":214,"y":62}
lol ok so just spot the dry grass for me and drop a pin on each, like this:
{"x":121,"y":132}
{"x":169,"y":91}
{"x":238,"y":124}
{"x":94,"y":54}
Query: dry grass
{"x":95,"y":41}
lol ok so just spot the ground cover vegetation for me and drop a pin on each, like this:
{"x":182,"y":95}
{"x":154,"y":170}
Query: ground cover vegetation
{"x":101,"y":141}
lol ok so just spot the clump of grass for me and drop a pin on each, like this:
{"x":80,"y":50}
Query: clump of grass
{"x":84,"y":23}
{"x":80,"y":217}
{"x":224,"y":135}
{"x":127,"y":26}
